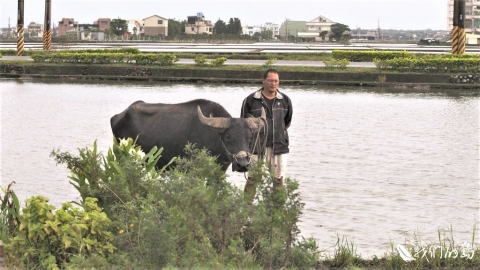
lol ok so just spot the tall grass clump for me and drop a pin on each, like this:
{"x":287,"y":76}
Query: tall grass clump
{"x":446,"y":253}
{"x":345,"y":253}
{"x":9,"y":213}
{"x":270,"y":62}
{"x":336,"y":63}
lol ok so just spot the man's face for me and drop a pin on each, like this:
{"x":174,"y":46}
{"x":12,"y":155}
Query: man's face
{"x":270,"y":84}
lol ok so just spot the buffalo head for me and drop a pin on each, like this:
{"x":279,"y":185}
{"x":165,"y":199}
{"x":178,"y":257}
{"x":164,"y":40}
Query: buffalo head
{"x":236,"y":135}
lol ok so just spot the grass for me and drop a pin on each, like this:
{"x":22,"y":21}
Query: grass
{"x":225,"y":67}
{"x":446,"y":254}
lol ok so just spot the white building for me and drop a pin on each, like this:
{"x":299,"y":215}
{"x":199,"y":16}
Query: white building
{"x":198,"y":25}
{"x":251,"y":30}
{"x":275,"y":28}
{"x":315,"y":27}
{"x":135,"y":27}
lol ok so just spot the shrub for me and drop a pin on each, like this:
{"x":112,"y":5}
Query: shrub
{"x":128,"y":50}
{"x":218,"y":62}
{"x":431,"y":64}
{"x":191,"y":217}
{"x":99,"y":57}
{"x":369,"y":56}
{"x":117,"y":178}
{"x":48,"y":239}
{"x":269,"y":63}
{"x":167,"y":59}
{"x":200,"y":60}
{"x":336,"y":63}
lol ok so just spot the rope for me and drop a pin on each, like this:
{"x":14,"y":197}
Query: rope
{"x":260,"y":149}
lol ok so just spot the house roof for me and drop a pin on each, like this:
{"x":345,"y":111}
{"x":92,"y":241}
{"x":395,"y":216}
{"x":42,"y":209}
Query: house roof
{"x":155,"y":16}
{"x":321,"y":19}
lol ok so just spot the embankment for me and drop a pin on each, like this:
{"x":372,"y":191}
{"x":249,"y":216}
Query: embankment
{"x":226,"y":75}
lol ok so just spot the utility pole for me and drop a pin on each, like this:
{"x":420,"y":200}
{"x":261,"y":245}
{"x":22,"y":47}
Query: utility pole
{"x":379,"y":30}
{"x":458,"y":33}
{"x":20,"y":38}
{"x":286,"y":29}
{"x":47,"y":33}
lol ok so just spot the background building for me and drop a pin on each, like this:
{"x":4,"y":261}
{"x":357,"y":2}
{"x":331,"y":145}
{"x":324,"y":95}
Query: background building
{"x":155,"y":26}
{"x":472,"y":16}
{"x":290,"y":29}
{"x":103,"y":23}
{"x":75,"y":30}
{"x":135,"y":27}
{"x":306,"y":31}
{"x":315,"y":27}
{"x":364,"y":34}
{"x":35,"y":30}
{"x":66,"y":24}
{"x":251,"y":30}
{"x":198,"y":25}
{"x":275,"y":28}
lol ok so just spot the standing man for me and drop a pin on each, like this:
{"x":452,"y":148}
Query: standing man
{"x":278,"y":108}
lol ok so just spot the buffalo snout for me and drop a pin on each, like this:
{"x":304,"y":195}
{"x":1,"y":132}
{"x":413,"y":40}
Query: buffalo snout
{"x":241,"y":162}
{"x":241,"y":165}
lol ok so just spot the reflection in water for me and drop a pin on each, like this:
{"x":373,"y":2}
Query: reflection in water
{"x":373,"y":164}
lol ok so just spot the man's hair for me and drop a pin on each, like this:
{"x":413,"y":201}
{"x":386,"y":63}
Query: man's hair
{"x":270,"y":70}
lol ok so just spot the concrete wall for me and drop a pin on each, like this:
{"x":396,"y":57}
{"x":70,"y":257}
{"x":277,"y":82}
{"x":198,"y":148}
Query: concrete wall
{"x":93,"y":72}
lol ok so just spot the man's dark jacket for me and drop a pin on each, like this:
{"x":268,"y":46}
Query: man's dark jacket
{"x":282,"y":116}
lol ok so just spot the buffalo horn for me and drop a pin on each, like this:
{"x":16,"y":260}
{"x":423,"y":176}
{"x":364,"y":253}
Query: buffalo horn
{"x":214,"y":122}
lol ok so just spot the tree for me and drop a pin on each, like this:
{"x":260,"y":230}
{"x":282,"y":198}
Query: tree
{"x":266,"y":34}
{"x":323,"y":34}
{"x":219,"y":28}
{"x":119,"y":26}
{"x":176,"y":28}
{"x":234,"y":26}
{"x":337,"y":30}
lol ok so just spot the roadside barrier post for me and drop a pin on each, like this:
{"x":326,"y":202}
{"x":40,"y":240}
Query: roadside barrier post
{"x":461,"y":25}
{"x":47,"y":33}
{"x":458,"y":33}
{"x":20,"y":30}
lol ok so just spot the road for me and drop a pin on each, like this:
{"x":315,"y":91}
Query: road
{"x":249,"y":48}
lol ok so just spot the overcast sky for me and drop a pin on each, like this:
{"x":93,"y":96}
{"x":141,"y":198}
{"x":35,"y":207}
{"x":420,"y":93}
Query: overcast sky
{"x":390,"y":14}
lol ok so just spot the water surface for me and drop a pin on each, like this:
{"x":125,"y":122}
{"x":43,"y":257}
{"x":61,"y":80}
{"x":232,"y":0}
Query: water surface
{"x":374,"y":165}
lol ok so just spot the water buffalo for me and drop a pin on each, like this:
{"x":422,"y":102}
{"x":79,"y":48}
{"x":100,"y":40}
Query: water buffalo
{"x":172,"y":126}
